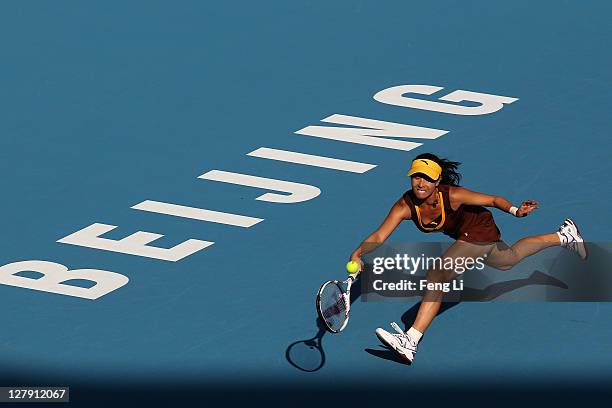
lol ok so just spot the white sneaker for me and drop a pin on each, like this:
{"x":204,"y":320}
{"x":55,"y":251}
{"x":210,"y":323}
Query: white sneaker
{"x":571,"y":239}
{"x":401,"y":342}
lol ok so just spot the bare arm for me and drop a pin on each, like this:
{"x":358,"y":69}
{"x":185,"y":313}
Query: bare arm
{"x":460,"y":195}
{"x":399,"y":212}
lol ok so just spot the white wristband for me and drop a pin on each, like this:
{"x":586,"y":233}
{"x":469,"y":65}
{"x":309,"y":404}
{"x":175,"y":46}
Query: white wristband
{"x":513,"y":211}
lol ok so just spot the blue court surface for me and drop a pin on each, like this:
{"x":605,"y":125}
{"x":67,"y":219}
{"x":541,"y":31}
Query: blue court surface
{"x":160,"y":105}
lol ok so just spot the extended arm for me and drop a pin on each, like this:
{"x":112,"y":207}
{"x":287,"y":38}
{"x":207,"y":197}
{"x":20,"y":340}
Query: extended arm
{"x":460,"y":195}
{"x":399,"y":212}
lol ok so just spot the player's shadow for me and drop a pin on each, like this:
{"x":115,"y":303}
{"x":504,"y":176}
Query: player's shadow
{"x":308,"y":355}
{"x":473,"y":295}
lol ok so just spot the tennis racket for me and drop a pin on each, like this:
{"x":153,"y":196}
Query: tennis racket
{"x":334,"y":303}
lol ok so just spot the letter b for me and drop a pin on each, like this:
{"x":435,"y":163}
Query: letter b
{"x":54,"y":276}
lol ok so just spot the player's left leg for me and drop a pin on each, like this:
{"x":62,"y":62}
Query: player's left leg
{"x":405,"y":343}
{"x":568,"y":236}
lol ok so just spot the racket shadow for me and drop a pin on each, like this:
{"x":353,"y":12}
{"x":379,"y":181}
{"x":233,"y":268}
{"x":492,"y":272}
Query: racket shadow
{"x":308,"y":355}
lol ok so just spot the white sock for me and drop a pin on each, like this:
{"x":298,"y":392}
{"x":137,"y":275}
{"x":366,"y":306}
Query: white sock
{"x":562,"y":238}
{"x":414,"y":334}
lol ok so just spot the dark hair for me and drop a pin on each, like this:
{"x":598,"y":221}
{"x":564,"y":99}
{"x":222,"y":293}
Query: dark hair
{"x":450,"y":175}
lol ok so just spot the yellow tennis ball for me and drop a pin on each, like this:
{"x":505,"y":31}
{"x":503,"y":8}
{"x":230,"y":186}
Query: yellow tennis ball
{"x":352,"y":267}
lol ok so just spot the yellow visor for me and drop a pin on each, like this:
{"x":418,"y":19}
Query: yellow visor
{"x":427,"y":167}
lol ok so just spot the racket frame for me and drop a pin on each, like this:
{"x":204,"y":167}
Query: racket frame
{"x":345,"y":293}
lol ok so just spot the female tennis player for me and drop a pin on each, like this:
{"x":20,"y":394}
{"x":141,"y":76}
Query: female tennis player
{"x":436,"y":203}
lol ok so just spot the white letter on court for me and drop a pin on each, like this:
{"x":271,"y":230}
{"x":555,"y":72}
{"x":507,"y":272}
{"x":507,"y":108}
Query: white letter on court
{"x":311,"y":160}
{"x":297,"y":192}
{"x":135,"y":244}
{"x":374,"y":135}
{"x":201,"y":214}
{"x":488,"y":103}
{"x":55,"y":274}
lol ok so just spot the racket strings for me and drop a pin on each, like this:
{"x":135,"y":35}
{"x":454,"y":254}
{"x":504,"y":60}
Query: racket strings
{"x":334,"y":307}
